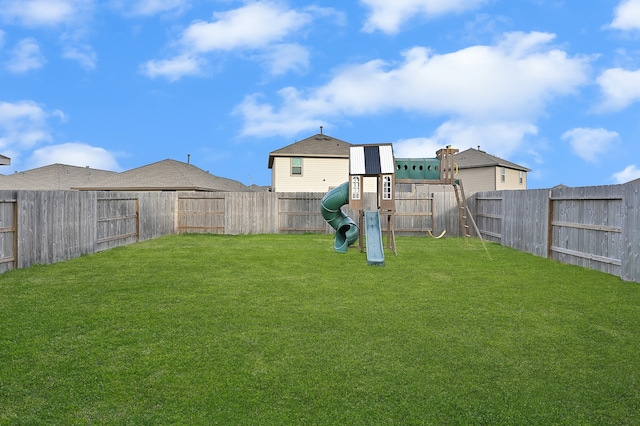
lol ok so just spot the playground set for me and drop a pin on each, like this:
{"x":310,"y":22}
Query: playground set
{"x":377,"y":161}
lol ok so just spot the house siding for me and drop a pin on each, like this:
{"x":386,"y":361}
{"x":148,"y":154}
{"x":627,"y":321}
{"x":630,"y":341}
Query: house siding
{"x":512,"y":180}
{"x":318,"y":174}
{"x":478,"y":179}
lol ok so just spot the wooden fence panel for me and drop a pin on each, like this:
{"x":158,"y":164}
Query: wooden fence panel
{"x":489,"y":215}
{"x":630,"y":250}
{"x":201,"y":213}
{"x":301,"y":212}
{"x":587,"y":227}
{"x":250,"y":213}
{"x":117,"y":221}
{"x":157,"y":214}
{"x":525,"y":218}
{"x":56,"y":226}
{"x":414,"y":213}
{"x":8,"y":231}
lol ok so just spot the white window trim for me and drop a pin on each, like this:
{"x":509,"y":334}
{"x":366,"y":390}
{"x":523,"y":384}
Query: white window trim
{"x":355,"y":187}
{"x":291,"y":166}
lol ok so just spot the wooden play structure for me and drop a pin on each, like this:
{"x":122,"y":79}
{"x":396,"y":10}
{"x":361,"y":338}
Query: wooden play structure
{"x":376,"y":165}
{"x":377,"y":162}
{"x":439,"y":170}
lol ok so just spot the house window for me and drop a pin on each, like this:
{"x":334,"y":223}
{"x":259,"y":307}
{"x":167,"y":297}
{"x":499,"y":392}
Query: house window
{"x":355,"y":187}
{"x":296,"y":166}
{"x":503,"y":175}
{"x":521,"y":177}
{"x":386,"y":187}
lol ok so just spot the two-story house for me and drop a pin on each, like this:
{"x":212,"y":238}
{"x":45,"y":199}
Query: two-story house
{"x":315,"y":164}
{"x":480,"y":171}
{"x":321,"y":162}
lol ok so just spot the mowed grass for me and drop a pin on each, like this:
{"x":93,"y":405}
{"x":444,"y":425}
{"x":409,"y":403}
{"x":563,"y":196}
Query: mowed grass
{"x":279,"y":329}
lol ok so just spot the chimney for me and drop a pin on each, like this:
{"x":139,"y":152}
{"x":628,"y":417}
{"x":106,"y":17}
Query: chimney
{"x":188,"y":158}
{"x":320,"y":129}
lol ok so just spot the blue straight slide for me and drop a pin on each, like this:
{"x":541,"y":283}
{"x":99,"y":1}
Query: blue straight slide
{"x":375,"y":250}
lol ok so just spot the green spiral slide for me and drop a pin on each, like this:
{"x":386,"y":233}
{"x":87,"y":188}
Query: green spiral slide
{"x":346,"y":229}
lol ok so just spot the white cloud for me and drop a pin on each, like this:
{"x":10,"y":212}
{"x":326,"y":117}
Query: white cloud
{"x":74,"y":154}
{"x":388,"y":16}
{"x":499,"y":138}
{"x":510,"y":82}
{"x":172,"y":69}
{"x":23,"y":125}
{"x":252,"y":26}
{"x":416,"y":148}
{"x":589,"y":143}
{"x":151,"y":7}
{"x":282,"y":58}
{"x":43,"y":12}
{"x":25,"y":57}
{"x":620,"y":88}
{"x":83,"y":54}
{"x":260,"y":26}
{"x":627,"y":15}
{"x":628,"y":174}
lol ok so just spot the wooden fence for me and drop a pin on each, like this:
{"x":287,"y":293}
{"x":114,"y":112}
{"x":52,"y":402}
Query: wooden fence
{"x":594,"y":227}
{"x":42,"y":227}
{"x":418,"y":212}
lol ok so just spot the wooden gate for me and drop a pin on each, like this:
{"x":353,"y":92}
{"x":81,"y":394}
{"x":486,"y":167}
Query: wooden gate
{"x":200,"y":214}
{"x":9,"y":235}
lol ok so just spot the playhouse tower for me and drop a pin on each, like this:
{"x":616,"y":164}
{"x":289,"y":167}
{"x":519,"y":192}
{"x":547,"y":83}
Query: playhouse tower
{"x":377,"y":162}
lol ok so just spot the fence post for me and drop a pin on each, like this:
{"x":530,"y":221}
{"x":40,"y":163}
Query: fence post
{"x":630,"y":256}
{"x":550,"y":226}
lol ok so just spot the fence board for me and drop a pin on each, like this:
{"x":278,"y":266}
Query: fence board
{"x":201,"y":213}
{"x":630,"y":251}
{"x":587,"y":226}
{"x":301,"y":212}
{"x":8,"y":231}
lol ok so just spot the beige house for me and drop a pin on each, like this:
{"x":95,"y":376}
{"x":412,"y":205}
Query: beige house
{"x":321,"y":162}
{"x":315,"y":164}
{"x":480,"y":171}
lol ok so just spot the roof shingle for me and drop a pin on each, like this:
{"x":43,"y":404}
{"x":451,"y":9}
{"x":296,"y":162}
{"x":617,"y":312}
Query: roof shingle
{"x":53,"y":177}
{"x":472,"y":158}
{"x":319,"y":145}
{"x":166,"y":175}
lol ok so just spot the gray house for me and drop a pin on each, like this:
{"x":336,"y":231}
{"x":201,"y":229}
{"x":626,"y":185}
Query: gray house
{"x":53,"y":177}
{"x":166,"y":175}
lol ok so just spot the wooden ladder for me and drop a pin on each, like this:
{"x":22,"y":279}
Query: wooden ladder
{"x":464,"y":216}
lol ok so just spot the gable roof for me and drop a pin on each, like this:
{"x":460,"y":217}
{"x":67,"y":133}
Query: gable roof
{"x":53,"y":177}
{"x":4,"y":160}
{"x":473,"y":158}
{"x":318,"y":145}
{"x":166,"y":175}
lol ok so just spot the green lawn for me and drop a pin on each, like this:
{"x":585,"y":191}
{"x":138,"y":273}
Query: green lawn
{"x":279,"y":329}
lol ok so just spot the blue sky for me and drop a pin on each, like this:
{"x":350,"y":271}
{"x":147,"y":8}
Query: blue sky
{"x":553,"y":85}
